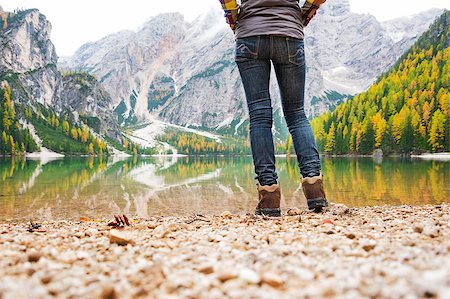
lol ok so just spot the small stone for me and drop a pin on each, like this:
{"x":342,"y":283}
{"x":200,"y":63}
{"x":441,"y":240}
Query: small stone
{"x":431,"y":231}
{"x":152,"y":225}
{"x":418,"y":229}
{"x":163,"y":230}
{"x":409,"y":243}
{"x":249,"y":276}
{"x":91,"y":232}
{"x":225,"y":275}
{"x":206,"y":269}
{"x":369,"y":247}
{"x":83,"y":255}
{"x":304,"y":274}
{"x":210,"y":238}
{"x":272,"y":279}
{"x":34,"y":256}
{"x":294,"y":212}
{"x":156,"y":272}
{"x":108,"y":292}
{"x":327,"y":221}
{"x":46,"y":278}
{"x":226,"y":215}
{"x":339,"y":209}
{"x":350,"y":236}
{"x":118,"y":237}
{"x":30,"y":271}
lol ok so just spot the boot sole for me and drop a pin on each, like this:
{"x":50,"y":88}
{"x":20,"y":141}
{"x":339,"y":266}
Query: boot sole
{"x":268,"y":212}
{"x":317,"y":204}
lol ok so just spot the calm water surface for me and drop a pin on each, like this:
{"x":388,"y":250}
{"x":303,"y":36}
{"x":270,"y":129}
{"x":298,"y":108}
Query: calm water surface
{"x":96,"y":188}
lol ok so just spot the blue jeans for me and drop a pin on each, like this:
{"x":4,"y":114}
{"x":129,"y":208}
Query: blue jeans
{"x":253,"y":57}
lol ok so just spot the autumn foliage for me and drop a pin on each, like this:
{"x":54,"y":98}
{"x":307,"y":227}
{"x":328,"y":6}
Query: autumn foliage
{"x":406,"y":110}
{"x":14,"y":140}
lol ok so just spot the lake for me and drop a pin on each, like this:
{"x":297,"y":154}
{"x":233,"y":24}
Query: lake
{"x":96,"y":188}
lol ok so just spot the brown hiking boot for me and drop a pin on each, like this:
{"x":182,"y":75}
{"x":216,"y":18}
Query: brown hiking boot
{"x":314,"y":193}
{"x":269,"y":200}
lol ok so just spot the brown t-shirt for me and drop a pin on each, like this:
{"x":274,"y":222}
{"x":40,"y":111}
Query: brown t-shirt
{"x":270,"y":17}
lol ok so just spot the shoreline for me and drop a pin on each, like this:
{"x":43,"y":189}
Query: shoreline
{"x":44,"y":155}
{"x":433,"y":156}
{"x":384,"y":251}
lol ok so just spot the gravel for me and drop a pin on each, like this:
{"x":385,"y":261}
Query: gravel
{"x":370,"y":252}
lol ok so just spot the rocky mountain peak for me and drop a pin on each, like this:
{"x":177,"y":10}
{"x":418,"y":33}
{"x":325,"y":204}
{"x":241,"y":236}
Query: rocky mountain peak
{"x":27,"y":52}
{"x":400,"y":28}
{"x":26,"y":42}
{"x":162,"y":24}
{"x":335,"y":8}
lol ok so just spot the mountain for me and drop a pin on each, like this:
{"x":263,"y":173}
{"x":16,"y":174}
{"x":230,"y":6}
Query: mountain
{"x":347,"y":52}
{"x":184,"y":73}
{"x":28,"y":55}
{"x":406,"y":110}
{"x":87,"y":98}
{"x":41,"y":98}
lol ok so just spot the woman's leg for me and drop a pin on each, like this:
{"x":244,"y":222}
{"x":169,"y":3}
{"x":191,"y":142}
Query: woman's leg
{"x":255,"y":73}
{"x":289,"y":64}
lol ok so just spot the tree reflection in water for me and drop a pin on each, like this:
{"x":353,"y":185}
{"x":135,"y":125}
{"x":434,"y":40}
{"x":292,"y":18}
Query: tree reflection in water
{"x":96,"y":187}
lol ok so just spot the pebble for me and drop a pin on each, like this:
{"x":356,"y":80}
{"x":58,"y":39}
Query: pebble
{"x":350,"y":236}
{"x":34,"y":256}
{"x":108,"y":292}
{"x":226,"y":215}
{"x":30,"y":271}
{"x":91,"y":232}
{"x":119,"y":237}
{"x":418,"y":229}
{"x":249,"y":276}
{"x":206,"y":269}
{"x":369,"y":246}
{"x":79,"y":234}
{"x":46,"y":278}
{"x":327,"y":221}
{"x":226,"y":274}
{"x":430,"y":231}
{"x":163,"y":230}
{"x":304,"y":274}
{"x":272,"y":279}
{"x":339,"y":209}
{"x":294,"y":212}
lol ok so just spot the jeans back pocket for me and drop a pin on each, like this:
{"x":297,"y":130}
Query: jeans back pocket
{"x":296,"y":51}
{"x":247,"y":48}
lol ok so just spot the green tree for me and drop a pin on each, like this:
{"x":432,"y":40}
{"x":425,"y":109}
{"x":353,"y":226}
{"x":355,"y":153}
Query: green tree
{"x":367,"y":139}
{"x":289,"y":145}
{"x":8,"y":109}
{"x":437,"y":131}
{"x":330,"y":143}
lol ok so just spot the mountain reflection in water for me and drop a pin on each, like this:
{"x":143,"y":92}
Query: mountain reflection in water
{"x":96,"y":188}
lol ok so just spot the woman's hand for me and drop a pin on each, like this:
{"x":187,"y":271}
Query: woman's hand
{"x":231,"y":10}
{"x":309,"y":10}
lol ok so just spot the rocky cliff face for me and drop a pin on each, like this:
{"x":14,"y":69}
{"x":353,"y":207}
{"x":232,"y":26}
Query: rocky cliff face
{"x":28,"y":61}
{"x":28,"y":55}
{"x":85,"y":97}
{"x":185,"y":73}
{"x":127,"y":62}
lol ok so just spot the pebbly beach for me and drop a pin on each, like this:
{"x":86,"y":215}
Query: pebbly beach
{"x":366,"y":252}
